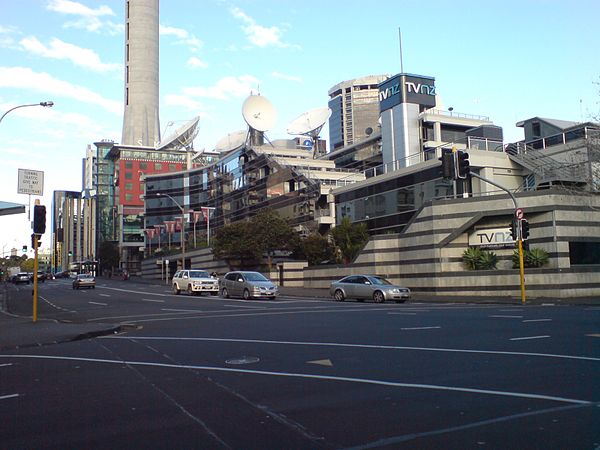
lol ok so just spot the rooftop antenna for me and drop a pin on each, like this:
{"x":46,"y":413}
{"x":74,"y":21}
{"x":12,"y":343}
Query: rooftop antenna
{"x":310,"y":124}
{"x":401,"y":60}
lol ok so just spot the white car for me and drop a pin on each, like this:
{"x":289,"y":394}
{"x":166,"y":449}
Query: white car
{"x":194,"y":281}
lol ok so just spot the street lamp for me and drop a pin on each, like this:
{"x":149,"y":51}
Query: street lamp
{"x":160,"y":194}
{"x":47,"y":104}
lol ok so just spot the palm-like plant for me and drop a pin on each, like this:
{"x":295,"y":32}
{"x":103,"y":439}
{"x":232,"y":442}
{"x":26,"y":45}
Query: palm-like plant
{"x":471,"y":257}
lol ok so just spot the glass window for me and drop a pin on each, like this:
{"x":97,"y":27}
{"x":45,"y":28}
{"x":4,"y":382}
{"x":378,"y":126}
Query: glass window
{"x":128,"y":197}
{"x":172,"y":167}
{"x":129,"y":164}
{"x":128,"y":186}
{"x":157,"y":166}
{"x":128,"y":175}
{"x":143,"y":165}
{"x":584,"y":252}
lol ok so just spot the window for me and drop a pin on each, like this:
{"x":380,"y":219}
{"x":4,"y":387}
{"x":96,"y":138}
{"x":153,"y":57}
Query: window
{"x":129,"y":186}
{"x":128,"y":176}
{"x":129,"y":164}
{"x":157,"y":166}
{"x":584,"y":253}
{"x":172,"y":167}
{"x":143,"y":165}
{"x":128,"y":197}
{"x":536,"y":129}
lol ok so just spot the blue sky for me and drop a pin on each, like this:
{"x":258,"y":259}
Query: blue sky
{"x":508,"y":60}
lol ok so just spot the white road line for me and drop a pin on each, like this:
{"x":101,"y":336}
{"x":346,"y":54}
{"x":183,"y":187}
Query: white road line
{"x":529,"y":337}
{"x":506,"y":317}
{"x":420,"y":328}
{"x":104,"y":295}
{"x":242,"y":306}
{"x":311,"y":376}
{"x":366,"y":346}
{"x":402,"y":314}
{"x":181,"y":310}
{"x":152,"y":300}
{"x":4,"y":397}
{"x":98,"y":303}
{"x":537,"y":320}
{"x":5,"y":365}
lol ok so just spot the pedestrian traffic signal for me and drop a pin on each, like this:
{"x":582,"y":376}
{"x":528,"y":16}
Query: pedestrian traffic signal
{"x":514,"y":230}
{"x":448,"y":169}
{"x":39,"y":219}
{"x":463,"y":168}
{"x":524,"y":229}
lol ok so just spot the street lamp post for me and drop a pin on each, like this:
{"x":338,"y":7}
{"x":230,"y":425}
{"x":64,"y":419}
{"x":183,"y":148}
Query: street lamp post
{"x":160,"y":194}
{"x":47,"y":104}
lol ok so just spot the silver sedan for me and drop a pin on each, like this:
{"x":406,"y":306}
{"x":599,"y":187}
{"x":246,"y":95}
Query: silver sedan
{"x":364,"y":287}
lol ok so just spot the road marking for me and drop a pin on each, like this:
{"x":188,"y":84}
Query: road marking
{"x":593,"y":335}
{"x":506,"y":317}
{"x":181,"y":310}
{"x":152,"y":300}
{"x":242,"y":306}
{"x":537,"y":320}
{"x":402,"y":314}
{"x":366,"y":346}
{"x":104,"y":295}
{"x":529,"y":337}
{"x":4,"y":397}
{"x":310,"y":376}
{"x":5,"y":365}
{"x":321,"y":362}
{"x":98,"y":303}
{"x":420,"y":328}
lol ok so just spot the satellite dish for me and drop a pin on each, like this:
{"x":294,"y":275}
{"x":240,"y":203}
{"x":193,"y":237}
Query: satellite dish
{"x":182,"y":137}
{"x":310,"y":122}
{"x":259,"y":113}
{"x":231,"y":141}
{"x":369,"y":131}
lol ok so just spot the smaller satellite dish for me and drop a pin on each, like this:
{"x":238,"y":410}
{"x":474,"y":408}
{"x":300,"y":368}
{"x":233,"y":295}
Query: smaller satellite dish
{"x":310,"y":122}
{"x":182,"y":137}
{"x":259,"y":113}
{"x":231,"y":141}
{"x":369,"y":131}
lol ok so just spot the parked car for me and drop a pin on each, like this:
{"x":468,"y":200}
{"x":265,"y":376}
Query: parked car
{"x":84,"y":280}
{"x":41,"y":276}
{"x":247,"y":285}
{"x":21,"y":277}
{"x":364,"y":287}
{"x":194,"y":281}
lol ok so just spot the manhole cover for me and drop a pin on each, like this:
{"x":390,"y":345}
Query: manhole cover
{"x":243,"y":360}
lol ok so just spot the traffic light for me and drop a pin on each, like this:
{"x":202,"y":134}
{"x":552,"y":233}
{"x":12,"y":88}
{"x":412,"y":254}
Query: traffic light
{"x":447,"y":159}
{"x":39,"y":242}
{"x":524,"y":229}
{"x":464,"y":167}
{"x":39,"y":219}
{"x":24,"y":249}
{"x":514,"y":230}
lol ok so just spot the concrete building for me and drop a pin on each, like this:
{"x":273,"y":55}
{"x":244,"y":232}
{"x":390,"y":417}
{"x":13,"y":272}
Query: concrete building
{"x":141,"y":119}
{"x":354,"y":108}
{"x":67,"y":229}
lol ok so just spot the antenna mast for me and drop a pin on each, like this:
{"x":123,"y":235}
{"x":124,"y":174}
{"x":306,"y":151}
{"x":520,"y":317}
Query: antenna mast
{"x":400,"y":40}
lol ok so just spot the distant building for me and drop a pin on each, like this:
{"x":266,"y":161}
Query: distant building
{"x":355,"y":110}
{"x":67,"y":229}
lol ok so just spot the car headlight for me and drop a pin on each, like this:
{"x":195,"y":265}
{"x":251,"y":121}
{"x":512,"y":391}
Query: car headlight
{"x":395,"y":291}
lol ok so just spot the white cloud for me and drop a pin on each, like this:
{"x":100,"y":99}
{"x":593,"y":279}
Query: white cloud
{"x":257,"y":34}
{"x":25,"y":78}
{"x":183,"y":101}
{"x":89,"y":18}
{"x":226,"y":88}
{"x":196,"y":63}
{"x":79,"y":56}
{"x":283,"y":76}
{"x":183,"y":37}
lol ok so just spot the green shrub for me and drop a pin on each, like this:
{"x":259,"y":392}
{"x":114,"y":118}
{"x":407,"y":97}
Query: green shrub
{"x":534,"y":257}
{"x":477,"y":259}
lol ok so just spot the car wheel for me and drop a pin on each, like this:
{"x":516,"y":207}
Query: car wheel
{"x":224,"y":293}
{"x":190,"y":291}
{"x":378,"y":297}
{"x":339,"y":296}
{"x":246,"y":294}
{"x":176,"y":290}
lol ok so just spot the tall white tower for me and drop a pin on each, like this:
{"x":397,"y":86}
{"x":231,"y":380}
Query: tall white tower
{"x":141,"y":119}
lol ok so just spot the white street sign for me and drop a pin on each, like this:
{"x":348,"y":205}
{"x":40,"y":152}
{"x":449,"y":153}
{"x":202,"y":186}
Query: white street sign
{"x":31,"y":182}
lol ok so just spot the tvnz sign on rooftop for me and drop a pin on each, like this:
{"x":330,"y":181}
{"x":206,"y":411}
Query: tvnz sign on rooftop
{"x":407,"y":88}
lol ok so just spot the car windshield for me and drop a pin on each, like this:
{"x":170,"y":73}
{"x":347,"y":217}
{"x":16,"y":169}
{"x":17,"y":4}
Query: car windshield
{"x":255,"y":276}
{"x":379,"y":280}
{"x":198,"y":274}
{"x":85,"y":277}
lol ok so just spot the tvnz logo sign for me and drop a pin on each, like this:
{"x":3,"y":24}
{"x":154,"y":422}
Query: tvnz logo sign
{"x":411,"y":88}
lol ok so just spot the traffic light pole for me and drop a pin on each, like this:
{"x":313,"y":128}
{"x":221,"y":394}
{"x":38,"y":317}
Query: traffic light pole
{"x":35,"y":277}
{"x":519,"y":234}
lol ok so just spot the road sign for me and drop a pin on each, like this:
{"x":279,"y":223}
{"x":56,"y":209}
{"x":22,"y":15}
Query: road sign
{"x":519,"y":213}
{"x":31,"y":182}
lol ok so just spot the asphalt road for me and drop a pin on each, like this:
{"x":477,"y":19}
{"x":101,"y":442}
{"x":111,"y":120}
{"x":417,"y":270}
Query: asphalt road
{"x":303,"y":373}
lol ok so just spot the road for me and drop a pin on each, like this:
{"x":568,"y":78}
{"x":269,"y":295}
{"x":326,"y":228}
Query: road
{"x":303,"y":373}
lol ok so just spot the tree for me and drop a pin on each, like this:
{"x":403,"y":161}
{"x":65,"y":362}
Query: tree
{"x":272,"y":233}
{"x":316,"y":248}
{"x":236,"y":241}
{"x":108,"y":254}
{"x":349,"y":238}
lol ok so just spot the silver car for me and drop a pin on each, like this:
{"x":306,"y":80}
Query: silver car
{"x":364,"y":287}
{"x":247,"y":285}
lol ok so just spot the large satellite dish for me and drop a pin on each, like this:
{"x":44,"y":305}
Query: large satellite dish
{"x":231,"y":141}
{"x":309,"y":123}
{"x":182,"y":137}
{"x":259,"y":113}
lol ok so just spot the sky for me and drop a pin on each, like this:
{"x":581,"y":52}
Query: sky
{"x":509,"y":61}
